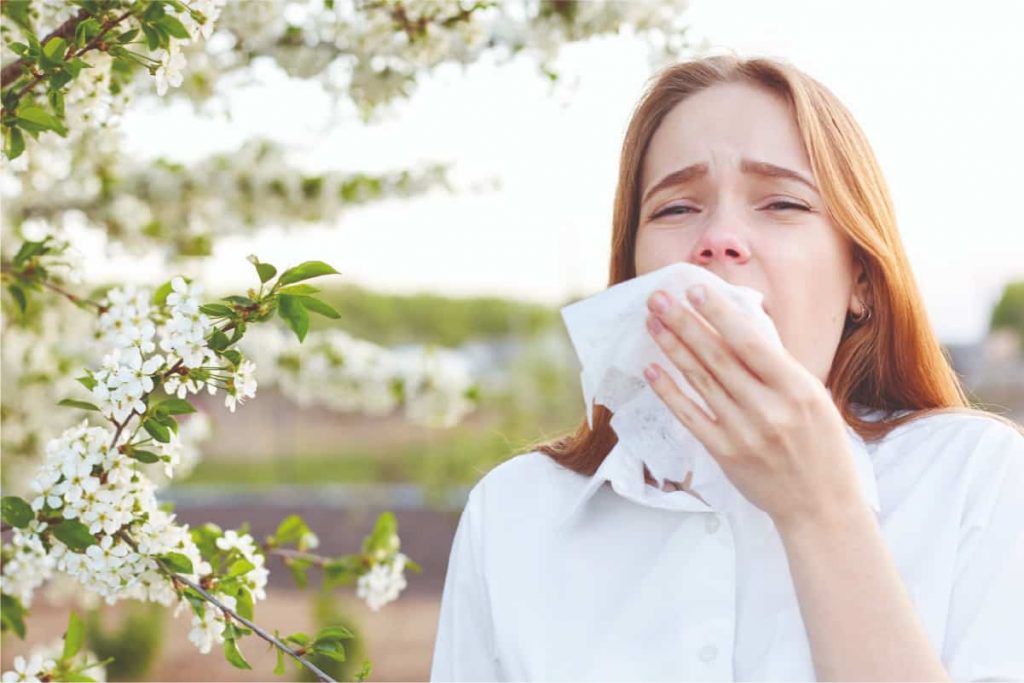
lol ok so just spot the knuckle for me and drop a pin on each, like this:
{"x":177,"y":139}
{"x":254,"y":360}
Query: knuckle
{"x":717,"y":356}
{"x":749,"y":344}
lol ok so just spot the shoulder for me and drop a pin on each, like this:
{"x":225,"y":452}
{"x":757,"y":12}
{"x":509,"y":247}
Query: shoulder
{"x":528,"y":470}
{"x":526,"y":484}
{"x":982,"y":452}
{"x":945,"y":420}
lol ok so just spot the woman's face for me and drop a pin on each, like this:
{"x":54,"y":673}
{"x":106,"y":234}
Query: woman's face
{"x":748,"y":218}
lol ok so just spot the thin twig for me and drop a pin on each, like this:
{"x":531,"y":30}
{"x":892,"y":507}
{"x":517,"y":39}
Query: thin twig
{"x":227,"y":610}
{"x":74,"y":298}
{"x":318,"y":560}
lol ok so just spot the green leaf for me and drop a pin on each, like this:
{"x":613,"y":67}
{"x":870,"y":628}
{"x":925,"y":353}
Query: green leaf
{"x":152,"y":35}
{"x":153,"y":12}
{"x":175,"y":406}
{"x":205,"y":537}
{"x":53,"y":49}
{"x":40,"y":119}
{"x":127,"y":36}
{"x":157,"y":430}
{"x":216,"y":310}
{"x":174,"y":27}
{"x":386,"y":526}
{"x":298,"y":569}
{"x":177,"y":562}
{"x":87,"y":30}
{"x":87,"y":381}
{"x":290,"y":308}
{"x":72,"y":403}
{"x":332,"y":649}
{"x":318,"y":306}
{"x":218,"y":340}
{"x":16,"y":511}
{"x":12,"y":615}
{"x":304,"y":271}
{"x":147,"y":457}
{"x":74,"y":535}
{"x":73,"y":636}
{"x":299,"y":289}
{"x":244,"y":602}
{"x":160,"y":295}
{"x":279,"y":668}
{"x":239,"y":567}
{"x":166,"y":420}
{"x":364,"y":672}
{"x":197,"y":602}
{"x":333,"y":633}
{"x":19,"y":296}
{"x":342,"y":570}
{"x":27,"y":250}
{"x":14,"y":142}
{"x":290,"y":530}
{"x":264,"y":270}
{"x":233,"y":654}
{"x":300,"y":639}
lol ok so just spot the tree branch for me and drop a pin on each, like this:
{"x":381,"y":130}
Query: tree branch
{"x":174,"y":576}
{"x":12,"y":71}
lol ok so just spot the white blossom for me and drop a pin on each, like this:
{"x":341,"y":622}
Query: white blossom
{"x":172,"y":65}
{"x":383,"y":582}
{"x":31,"y":670}
{"x":241,"y":385}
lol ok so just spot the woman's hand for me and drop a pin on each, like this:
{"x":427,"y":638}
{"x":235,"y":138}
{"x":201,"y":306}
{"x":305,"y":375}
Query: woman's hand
{"x":775,"y":431}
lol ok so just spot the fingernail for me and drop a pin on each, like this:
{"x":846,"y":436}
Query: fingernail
{"x":654,"y":325}
{"x":651,"y":373}
{"x":659,"y":302}
{"x":696,"y":294}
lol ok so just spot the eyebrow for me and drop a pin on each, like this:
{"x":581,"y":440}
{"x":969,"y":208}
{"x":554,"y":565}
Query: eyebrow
{"x":694,"y":171}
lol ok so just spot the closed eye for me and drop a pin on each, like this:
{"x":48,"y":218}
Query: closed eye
{"x":672,"y":209}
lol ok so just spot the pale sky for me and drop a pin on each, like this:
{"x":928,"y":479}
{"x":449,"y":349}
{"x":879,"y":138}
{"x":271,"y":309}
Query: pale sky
{"x":935,"y":85}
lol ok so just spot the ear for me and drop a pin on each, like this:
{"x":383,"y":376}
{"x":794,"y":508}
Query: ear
{"x":860,"y":292}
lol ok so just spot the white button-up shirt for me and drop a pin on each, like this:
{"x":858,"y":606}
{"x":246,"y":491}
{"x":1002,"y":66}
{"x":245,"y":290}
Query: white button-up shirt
{"x":557,"y":576}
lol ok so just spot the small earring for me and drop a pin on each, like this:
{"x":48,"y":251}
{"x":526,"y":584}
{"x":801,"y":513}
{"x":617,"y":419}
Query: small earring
{"x":864,"y":316}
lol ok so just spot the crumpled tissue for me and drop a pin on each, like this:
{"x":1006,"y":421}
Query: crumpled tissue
{"x":609,"y":333}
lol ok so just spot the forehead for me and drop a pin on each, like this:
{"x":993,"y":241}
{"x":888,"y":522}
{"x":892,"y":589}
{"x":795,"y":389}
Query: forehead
{"x":721,"y":125}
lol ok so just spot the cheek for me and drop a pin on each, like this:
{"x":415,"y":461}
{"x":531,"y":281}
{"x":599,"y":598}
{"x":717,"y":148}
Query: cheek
{"x":807,"y":324}
{"x":658,"y":248}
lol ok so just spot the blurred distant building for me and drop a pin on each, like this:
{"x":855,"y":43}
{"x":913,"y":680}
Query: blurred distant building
{"x":992,"y":370}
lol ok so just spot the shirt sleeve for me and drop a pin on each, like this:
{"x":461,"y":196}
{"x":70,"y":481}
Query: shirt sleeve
{"x":985,"y":632}
{"x":464,"y":649}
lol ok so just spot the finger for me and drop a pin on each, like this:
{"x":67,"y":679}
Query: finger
{"x":701,"y":378}
{"x":745,"y":388}
{"x":686,"y":411}
{"x":768,"y":361}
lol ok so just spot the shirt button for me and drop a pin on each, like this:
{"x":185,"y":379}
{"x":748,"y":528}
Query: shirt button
{"x":707,"y":653}
{"x":712,"y":524}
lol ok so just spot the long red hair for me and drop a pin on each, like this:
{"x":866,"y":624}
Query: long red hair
{"x":893,"y":361}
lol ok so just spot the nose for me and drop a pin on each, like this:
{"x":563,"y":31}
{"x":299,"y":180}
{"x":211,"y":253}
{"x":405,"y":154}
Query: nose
{"x":721,"y":243}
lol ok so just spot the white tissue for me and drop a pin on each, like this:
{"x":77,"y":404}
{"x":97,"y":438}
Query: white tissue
{"x":609,"y":333}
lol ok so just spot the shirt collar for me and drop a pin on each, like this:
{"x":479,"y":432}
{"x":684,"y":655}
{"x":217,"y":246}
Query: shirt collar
{"x":626,"y":477}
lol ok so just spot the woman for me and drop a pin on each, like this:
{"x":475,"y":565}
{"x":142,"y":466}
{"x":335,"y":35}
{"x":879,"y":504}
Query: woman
{"x":754,"y":170}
